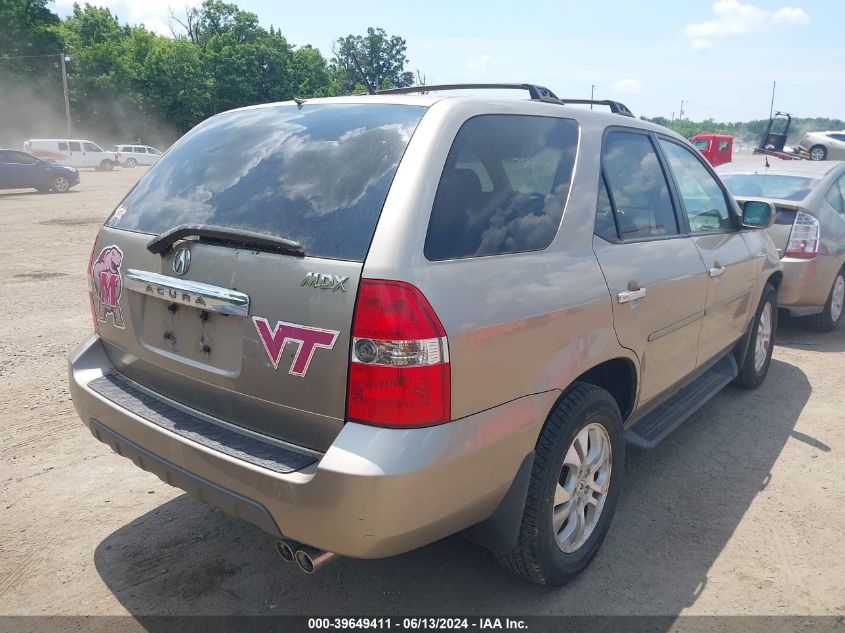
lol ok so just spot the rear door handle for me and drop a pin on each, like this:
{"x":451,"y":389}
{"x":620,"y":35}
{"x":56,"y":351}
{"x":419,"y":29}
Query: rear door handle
{"x":631,"y":295}
{"x":717,"y":271}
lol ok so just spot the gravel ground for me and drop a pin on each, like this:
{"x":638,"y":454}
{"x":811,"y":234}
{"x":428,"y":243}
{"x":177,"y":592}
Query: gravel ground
{"x":741,"y":511}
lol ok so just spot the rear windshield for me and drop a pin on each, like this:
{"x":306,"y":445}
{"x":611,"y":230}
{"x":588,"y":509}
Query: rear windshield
{"x":318,"y":174}
{"x":769,"y":185}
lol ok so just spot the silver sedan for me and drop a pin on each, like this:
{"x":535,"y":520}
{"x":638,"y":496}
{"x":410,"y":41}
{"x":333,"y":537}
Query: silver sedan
{"x":823,"y":145}
{"x":809,"y":231}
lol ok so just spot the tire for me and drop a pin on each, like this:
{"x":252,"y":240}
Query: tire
{"x":583,"y":411}
{"x":818,"y":152}
{"x":60,"y":184}
{"x":106,"y":165}
{"x":758,"y":355}
{"x":131,"y":162}
{"x":830,"y":317}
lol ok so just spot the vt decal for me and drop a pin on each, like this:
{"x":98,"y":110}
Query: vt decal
{"x":307,"y":340}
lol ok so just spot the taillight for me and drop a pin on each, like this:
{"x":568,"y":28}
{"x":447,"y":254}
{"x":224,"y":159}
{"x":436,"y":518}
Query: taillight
{"x":399,"y":366}
{"x":91,"y":297}
{"x":804,"y":237}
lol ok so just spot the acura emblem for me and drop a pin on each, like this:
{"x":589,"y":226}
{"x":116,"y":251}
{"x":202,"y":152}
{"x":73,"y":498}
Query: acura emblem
{"x":181,"y":261}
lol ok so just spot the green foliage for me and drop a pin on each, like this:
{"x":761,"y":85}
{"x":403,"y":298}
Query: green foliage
{"x":126,"y":82}
{"x":28,"y":35}
{"x":381,"y":59}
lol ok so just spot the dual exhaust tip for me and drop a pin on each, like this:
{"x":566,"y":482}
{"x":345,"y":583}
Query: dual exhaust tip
{"x":308,"y":559}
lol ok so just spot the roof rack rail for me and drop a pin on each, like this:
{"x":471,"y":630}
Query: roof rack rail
{"x":615,"y":106}
{"x":537,"y":93}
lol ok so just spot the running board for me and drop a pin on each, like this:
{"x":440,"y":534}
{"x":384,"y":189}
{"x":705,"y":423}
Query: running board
{"x":654,"y":427}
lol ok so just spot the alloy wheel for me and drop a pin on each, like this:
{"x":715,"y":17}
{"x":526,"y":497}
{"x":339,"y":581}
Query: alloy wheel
{"x":817,"y":153}
{"x":837,"y":298}
{"x":764,"y":338}
{"x":61,"y":184}
{"x":582,"y":487}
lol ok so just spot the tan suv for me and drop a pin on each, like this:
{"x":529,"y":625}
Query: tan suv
{"x":366,"y":323}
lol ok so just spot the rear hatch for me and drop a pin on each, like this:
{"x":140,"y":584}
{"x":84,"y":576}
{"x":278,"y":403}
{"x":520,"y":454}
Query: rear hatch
{"x":226,"y":279}
{"x":785,"y":191}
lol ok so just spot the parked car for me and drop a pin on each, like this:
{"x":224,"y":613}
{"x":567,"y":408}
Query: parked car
{"x":366,"y":323}
{"x":132,"y":155}
{"x":716,"y":148}
{"x":823,"y":145}
{"x":809,"y":231}
{"x":72,"y":152}
{"x":19,"y":170}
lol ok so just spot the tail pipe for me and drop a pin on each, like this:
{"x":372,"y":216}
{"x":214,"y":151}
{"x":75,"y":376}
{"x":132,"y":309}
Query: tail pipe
{"x":311,"y":559}
{"x":287,"y":550}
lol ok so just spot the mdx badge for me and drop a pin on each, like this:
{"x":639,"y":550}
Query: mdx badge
{"x":325,"y":282}
{"x":181,"y":261}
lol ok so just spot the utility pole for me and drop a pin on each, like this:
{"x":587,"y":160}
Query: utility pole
{"x":772,"y":106}
{"x":67,"y":102}
{"x":592,"y":94}
{"x":681,"y":113}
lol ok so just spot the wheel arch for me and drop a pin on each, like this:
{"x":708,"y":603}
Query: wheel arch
{"x":619,"y":377}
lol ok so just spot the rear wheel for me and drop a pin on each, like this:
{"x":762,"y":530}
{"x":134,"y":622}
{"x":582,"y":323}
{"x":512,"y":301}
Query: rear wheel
{"x":574,"y":488}
{"x":131,"y":162}
{"x":106,"y":165}
{"x":60,"y":184}
{"x":833,"y":308}
{"x":758,"y":355}
{"x":818,"y":152}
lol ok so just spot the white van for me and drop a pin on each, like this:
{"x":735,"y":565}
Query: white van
{"x":131,"y":155}
{"x":72,"y":152}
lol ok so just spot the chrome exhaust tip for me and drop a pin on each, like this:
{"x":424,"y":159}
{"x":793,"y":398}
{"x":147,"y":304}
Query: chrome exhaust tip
{"x":286,"y":550}
{"x":311,"y":559}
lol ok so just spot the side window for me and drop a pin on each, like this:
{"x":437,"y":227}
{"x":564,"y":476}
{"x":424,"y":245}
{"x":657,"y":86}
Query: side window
{"x":22,"y":159}
{"x":90,"y":147}
{"x":62,"y":146}
{"x":605,"y":224}
{"x":154,"y":151}
{"x":834,"y":195}
{"x":636,"y":182}
{"x":703,"y":199}
{"x":503,"y":188}
{"x":723,"y":145}
{"x":75,"y":147}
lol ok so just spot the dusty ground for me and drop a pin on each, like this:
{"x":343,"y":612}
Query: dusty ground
{"x":740,"y":512}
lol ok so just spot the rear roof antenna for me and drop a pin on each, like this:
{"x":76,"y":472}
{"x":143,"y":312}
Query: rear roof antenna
{"x":299,"y":102}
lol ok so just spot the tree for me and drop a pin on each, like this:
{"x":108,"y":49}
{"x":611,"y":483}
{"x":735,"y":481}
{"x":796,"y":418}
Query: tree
{"x":382,"y":59}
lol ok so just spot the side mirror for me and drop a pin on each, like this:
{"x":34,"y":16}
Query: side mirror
{"x":757,"y":214}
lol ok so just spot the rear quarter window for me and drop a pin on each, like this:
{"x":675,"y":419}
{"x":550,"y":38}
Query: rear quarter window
{"x":318,"y":174}
{"x":503,"y":188}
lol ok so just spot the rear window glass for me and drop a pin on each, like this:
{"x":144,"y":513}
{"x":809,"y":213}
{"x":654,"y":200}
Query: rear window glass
{"x":318,"y":174}
{"x":776,"y":186}
{"x":503,"y":188}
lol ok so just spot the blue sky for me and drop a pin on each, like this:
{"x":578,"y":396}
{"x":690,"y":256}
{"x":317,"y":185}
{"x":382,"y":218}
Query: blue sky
{"x":720,"y":57}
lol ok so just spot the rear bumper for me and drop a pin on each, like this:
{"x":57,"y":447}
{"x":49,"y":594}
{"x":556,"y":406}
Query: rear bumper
{"x":806,"y":284}
{"x":375,"y":492}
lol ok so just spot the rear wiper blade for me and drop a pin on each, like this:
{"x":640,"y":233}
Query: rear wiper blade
{"x":224,"y":235}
